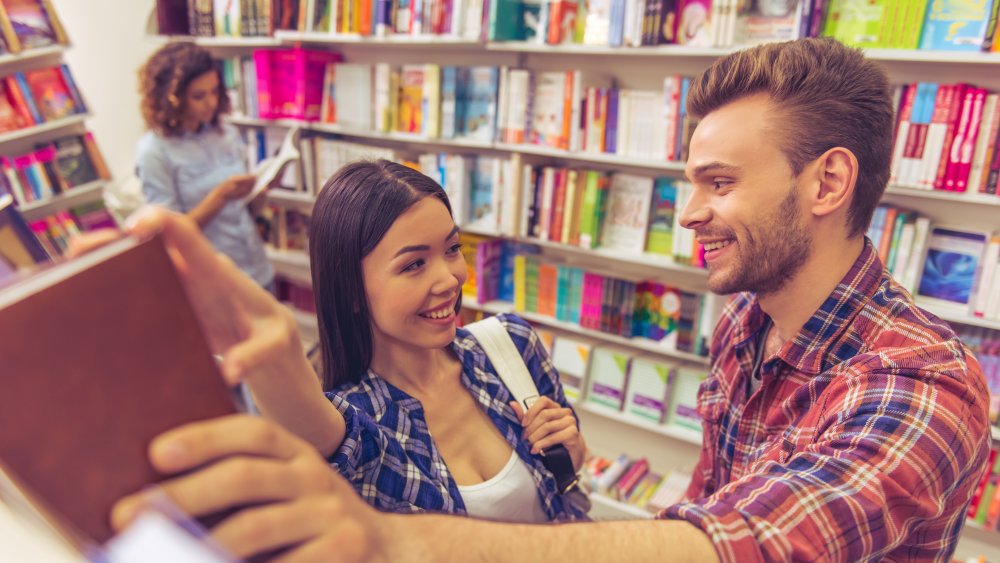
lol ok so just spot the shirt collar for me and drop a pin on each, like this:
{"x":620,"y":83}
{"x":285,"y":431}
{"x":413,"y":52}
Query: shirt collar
{"x":810,"y":350}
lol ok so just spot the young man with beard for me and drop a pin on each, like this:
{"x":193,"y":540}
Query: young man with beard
{"x":842,"y":422}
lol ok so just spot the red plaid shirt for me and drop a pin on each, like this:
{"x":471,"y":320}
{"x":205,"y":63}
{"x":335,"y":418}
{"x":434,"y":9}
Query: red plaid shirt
{"x":865,"y":440}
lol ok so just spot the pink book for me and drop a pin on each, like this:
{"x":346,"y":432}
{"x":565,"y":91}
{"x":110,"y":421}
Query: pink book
{"x":590,"y":302}
{"x":262,"y":62}
{"x":964,"y":165}
{"x":954,"y":152}
{"x":955,"y":114}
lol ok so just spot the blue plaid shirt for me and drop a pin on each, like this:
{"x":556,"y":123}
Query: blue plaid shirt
{"x":388,"y":454}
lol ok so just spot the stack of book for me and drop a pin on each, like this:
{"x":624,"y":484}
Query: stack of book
{"x":52,"y":169}
{"x":631,"y":481}
{"x":38,"y":96}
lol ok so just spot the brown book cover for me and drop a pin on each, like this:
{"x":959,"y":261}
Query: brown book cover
{"x":101,"y":354}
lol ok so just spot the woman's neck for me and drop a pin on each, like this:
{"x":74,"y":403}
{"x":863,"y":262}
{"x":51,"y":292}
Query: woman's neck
{"x":417,"y":371}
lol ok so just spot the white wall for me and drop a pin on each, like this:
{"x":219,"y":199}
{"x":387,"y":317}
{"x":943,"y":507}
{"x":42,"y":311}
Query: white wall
{"x":108,"y":45}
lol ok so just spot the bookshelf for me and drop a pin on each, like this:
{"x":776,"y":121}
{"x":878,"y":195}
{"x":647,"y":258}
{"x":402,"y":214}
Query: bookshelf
{"x":610,"y":433}
{"x":31,"y":57}
{"x":73,"y":196}
{"x":44,"y":131}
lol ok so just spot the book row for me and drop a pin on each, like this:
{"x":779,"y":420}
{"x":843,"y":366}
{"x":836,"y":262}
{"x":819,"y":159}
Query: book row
{"x":612,"y":303}
{"x":984,"y":509}
{"x":899,"y":24}
{"x":633,"y":482}
{"x":38,"y":96}
{"x":946,"y":138}
{"x":53,"y":168}
{"x":985,"y":346}
{"x":25,"y":244}
{"x":570,"y":110}
{"x":29,"y":24}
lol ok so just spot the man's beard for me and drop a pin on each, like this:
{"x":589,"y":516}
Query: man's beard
{"x":769,"y":255}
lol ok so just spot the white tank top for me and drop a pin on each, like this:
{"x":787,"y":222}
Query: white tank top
{"x":508,"y":496}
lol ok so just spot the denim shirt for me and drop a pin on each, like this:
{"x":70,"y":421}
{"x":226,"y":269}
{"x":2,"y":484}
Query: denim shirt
{"x":179,"y":172}
{"x":389,"y":456}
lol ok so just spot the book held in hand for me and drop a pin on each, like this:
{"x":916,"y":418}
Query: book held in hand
{"x":102,"y":353}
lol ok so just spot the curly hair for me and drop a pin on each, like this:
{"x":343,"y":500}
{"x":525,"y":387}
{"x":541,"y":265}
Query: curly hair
{"x":164,"y":79}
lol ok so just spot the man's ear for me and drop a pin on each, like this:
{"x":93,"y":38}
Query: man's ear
{"x":835,"y":174}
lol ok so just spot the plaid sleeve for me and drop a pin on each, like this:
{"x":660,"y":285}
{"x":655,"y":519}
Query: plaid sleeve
{"x":363,"y":441}
{"x":890,"y":452}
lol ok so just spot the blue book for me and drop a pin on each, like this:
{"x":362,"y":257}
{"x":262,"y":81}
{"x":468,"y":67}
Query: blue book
{"x":479,"y":113}
{"x":955,"y":25}
{"x":29,"y":100}
{"x":681,"y":116}
{"x":449,"y":101}
{"x":952,"y":264}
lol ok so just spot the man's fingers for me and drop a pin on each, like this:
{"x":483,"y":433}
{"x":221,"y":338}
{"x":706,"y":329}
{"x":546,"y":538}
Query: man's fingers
{"x":273,"y":526}
{"x":85,"y":242}
{"x":198,"y":443}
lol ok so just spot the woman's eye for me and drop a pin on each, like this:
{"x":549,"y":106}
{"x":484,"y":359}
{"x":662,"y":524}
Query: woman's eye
{"x":413,"y":266}
{"x":455,"y":248}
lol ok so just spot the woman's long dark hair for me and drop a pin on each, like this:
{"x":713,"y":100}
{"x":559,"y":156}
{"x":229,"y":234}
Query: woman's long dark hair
{"x":356,"y":207}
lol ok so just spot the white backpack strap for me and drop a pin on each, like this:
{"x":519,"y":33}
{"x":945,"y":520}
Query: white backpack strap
{"x":500,"y":349}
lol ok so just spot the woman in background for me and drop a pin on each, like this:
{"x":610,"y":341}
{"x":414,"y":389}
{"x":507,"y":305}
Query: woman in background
{"x":192,"y":163}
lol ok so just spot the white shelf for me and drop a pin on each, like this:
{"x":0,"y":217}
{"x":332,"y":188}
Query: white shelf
{"x":291,"y":198}
{"x":69,"y":198}
{"x":47,"y":127}
{"x":925,"y":56}
{"x":235,"y":42}
{"x":645,"y":345}
{"x":957,"y":317}
{"x":692,"y":437}
{"x":293,"y":263}
{"x":971,"y":198}
{"x":595,"y":158}
{"x":426,"y":40}
{"x":606,"y":508}
{"x":579,"y":49}
{"x":12,"y":59}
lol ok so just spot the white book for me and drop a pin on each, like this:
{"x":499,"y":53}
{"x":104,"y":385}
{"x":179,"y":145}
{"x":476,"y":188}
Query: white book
{"x":527,"y":198}
{"x":516,"y":113}
{"x":921,"y":230}
{"x":268,"y":169}
{"x":431,"y":101}
{"x":503,"y":103}
{"x":382,"y":110}
{"x":354,"y":96}
{"x":548,"y":190}
{"x":991,"y":113}
{"x":624,"y":117}
{"x":457,"y":173}
{"x":903,"y":251}
{"x":510,"y":200}
{"x":598,"y":26}
{"x":547,"y":110}
{"x":993,"y":303}
{"x":986,"y":276}
{"x":627,"y":217}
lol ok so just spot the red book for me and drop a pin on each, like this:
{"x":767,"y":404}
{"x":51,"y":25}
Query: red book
{"x":558,"y":206}
{"x":961,"y":132}
{"x":52,"y":95}
{"x":955,"y":113}
{"x":964,"y":165}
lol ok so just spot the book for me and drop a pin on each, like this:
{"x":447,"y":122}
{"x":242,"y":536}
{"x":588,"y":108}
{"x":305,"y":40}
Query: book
{"x":34,"y":23}
{"x":115,"y":384}
{"x":267,"y":170}
{"x":951,"y":266}
{"x":50,"y":92}
{"x":627,"y":216}
{"x":19,"y":248}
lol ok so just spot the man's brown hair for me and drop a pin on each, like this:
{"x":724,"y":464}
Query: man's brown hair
{"x":163,"y":82}
{"x":826,"y":95}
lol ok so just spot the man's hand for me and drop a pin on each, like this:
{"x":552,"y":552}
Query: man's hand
{"x":547,"y":423}
{"x":288,"y":496}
